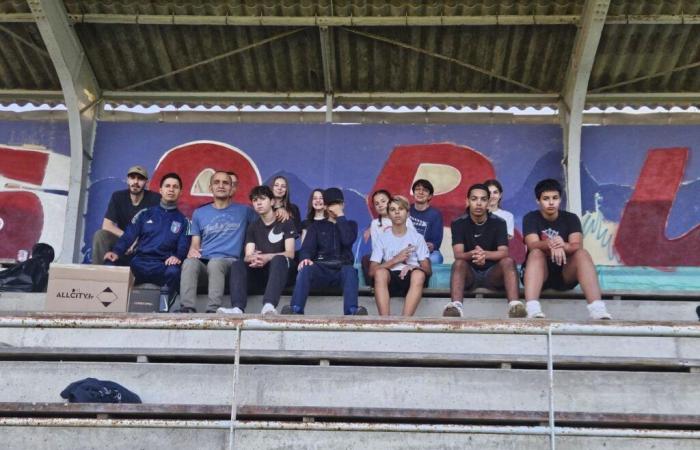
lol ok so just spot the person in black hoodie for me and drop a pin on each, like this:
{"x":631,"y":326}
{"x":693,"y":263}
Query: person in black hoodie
{"x":326,"y":258}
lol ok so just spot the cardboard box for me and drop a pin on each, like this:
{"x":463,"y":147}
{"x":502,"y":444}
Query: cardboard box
{"x":88,"y":288}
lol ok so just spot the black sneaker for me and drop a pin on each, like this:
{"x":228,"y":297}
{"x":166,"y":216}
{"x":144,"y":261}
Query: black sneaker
{"x":287,"y":310}
{"x":185,"y":310}
{"x":361,"y":311}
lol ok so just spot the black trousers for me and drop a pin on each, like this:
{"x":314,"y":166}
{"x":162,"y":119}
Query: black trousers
{"x":270,"y":280}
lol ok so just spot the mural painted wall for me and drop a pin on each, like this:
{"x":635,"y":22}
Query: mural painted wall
{"x":640,"y":183}
{"x":357,"y":158}
{"x":34,"y":174}
{"x":641,"y":186}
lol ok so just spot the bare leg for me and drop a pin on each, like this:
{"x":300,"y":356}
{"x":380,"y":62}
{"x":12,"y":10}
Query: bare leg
{"x":415,"y":292}
{"x":381,"y":291}
{"x":504,"y":274}
{"x":535,"y":274}
{"x":580,"y":267}
{"x":458,"y":279}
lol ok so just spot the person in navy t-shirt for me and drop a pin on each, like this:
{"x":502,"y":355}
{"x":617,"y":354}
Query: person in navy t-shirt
{"x":427,"y":220}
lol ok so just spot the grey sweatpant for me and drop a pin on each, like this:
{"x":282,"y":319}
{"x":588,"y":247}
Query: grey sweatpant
{"x":212,"y":274}
{"x":102,"y":242}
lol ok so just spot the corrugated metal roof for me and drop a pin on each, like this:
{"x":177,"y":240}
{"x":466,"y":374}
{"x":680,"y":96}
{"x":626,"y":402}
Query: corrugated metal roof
{"x":525,"y":58}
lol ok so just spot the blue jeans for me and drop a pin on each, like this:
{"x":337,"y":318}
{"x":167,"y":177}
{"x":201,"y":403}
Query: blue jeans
{"x":147,"y":270}
{"x":317,"y":276}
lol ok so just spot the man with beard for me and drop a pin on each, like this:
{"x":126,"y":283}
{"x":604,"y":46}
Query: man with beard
{"x":218,"y":231}
{"x":480,"y":245}
{"x":123,"y":206}
{"x":161,"y":232}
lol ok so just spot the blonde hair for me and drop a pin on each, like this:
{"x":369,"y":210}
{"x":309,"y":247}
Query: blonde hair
{"x":400,"y":200}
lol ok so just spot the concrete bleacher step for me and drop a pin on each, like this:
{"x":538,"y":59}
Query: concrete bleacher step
{"x":204,"y":338}
{"x":331,"y":382}
{"x":110,"y":434}
{"x":649,"y":308}
{"x":366,"y":387}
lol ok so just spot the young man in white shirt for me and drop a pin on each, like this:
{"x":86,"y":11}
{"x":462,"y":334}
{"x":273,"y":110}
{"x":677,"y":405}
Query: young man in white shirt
{"x":400,"y":261}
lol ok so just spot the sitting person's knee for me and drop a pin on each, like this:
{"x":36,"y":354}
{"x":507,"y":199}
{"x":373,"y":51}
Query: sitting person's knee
{"x":417,"y":277}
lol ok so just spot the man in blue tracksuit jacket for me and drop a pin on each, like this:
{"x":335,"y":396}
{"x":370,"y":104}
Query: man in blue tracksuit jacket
{"x":327,"y":259}
{"x":162,"y":241}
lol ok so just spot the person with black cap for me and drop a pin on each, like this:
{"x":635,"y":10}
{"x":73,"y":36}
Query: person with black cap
{"x":123,"y":206}
{"x":327,"y":259}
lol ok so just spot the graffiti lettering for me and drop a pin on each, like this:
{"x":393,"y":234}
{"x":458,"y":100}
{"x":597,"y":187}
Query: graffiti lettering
{"x":451,"y":168}
{"x":641,"y":238}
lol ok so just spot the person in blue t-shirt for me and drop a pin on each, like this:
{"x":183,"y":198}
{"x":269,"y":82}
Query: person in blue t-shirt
{"x":161,"y":232}
{"x":426,"y":219}
{"x":218,"y":231}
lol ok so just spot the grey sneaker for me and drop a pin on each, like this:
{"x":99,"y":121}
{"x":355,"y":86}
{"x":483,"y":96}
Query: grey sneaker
{"x":361,"y":311}
{"x":516,"y":309}
{"x":452,"y":309}
{"x":234,"y":310}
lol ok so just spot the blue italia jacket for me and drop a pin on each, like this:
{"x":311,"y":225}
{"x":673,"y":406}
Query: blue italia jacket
{"x":161,"y":233}
{"x":329,"y":241}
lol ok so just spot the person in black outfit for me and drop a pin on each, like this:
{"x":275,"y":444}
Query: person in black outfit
{"x":123,"y":206}
{"x":327,"y":259}
{"x":555,"y":255}
{"x":269,"y":257}
{"x":282,"y":205}
{"x":480,"y":245}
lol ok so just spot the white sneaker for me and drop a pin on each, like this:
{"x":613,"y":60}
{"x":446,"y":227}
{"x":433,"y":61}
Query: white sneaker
{"x":534,"y":309}
{"x":268,"y":309}
{"x":516,"y":309}
{"x":452,"y":309}
{"x":597,"y":311}
{"x":234,"y":310}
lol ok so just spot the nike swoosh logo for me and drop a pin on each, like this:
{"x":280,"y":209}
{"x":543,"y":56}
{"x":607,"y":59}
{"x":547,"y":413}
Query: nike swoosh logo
{"x":477,"y":235}
{"x":274,"y":237}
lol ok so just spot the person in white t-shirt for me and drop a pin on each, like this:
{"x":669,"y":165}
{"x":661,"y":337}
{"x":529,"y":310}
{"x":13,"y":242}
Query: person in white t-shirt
{"x":495,"y":197}
{"x":400,"y":261}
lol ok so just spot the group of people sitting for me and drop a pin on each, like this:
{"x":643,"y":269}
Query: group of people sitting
{"x":253,"y":249}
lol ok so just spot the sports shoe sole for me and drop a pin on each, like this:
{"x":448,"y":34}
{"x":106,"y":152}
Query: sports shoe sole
{"x":517,"y":311}
{"x":452,"y":311}
{"x":361,"y":311}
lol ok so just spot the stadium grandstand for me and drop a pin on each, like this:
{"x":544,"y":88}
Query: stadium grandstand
{"x":359,"y":95}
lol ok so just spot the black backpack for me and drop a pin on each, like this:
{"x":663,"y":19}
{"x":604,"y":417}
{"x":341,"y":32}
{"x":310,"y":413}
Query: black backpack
{"x":31,"y":275}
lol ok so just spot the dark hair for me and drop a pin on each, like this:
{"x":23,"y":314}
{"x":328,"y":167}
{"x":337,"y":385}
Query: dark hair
{"x":260,"y":191}
{"x":388,"y":195}
{"x":171,"y":175}
{"x":425,"y":184}
{"x":497,"y":184}
{"x":548,"y":184}
{"x":231,"y":173}
{"x":310,"y":212}
{"x":476,"y":186}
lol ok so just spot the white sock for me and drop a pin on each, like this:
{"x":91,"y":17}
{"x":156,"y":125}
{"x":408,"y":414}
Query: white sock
{"x":533,"y":307}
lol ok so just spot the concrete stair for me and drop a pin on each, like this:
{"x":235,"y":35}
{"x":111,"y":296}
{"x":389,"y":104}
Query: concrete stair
{"x":326,"y":381}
